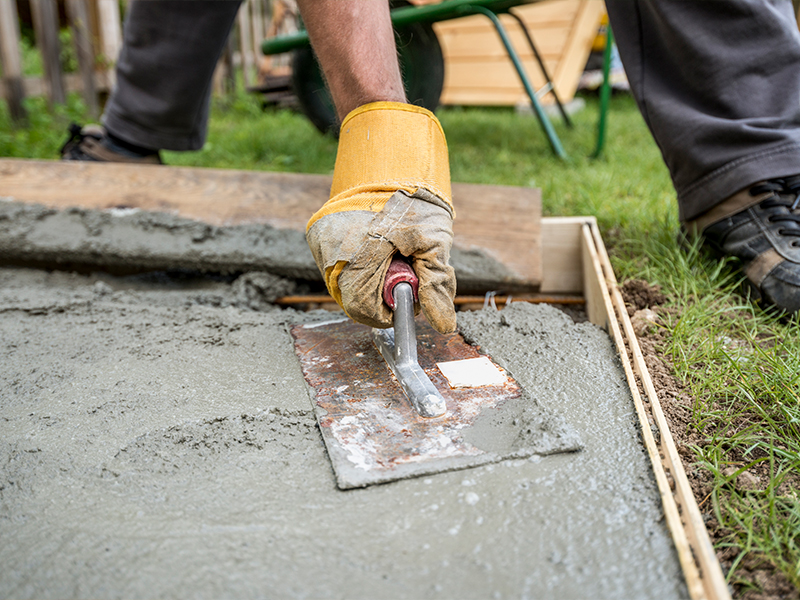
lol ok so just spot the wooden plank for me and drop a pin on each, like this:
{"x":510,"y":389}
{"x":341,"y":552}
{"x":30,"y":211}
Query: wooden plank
{"x":110,"y":28}
{"x":485,"y":43}
{"x":45,"y":22}
{"x":603,"y":309}
{"x":466,"y":302}
{"x":504,"y":223}
{"x":475,"y":58}
{"x":285,"y":19}
{"x":472,"y":96}
{"x":490,"y":75}
{"x":562,"y":272}
{"x":577,"y":48}
{"x":598,"y":303}
{"x":82,"y":38}
{"x":11,"y":60}
{"x":551,"y":60}
{"x":479,"y":97}
{"x":497,"y":222}
{"x":548,"y":11}
{"x":477,"y":24}
{"x":702,"y":569}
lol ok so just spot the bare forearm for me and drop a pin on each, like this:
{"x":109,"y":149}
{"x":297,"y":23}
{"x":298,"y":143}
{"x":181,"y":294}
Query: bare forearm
{"x":354,"y":42}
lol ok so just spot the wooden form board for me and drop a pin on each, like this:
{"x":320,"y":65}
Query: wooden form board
{"x":606,"y":308}
{"x":500,"y":221}
{"x":478,"y":70}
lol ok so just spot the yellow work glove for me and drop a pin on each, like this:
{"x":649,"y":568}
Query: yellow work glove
{"x":390,"y":194}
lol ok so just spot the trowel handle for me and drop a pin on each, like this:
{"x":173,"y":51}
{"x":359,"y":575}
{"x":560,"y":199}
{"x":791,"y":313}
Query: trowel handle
{"x":399,"y":272}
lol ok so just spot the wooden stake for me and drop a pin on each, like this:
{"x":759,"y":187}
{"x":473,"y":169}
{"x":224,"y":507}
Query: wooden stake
{"x":82,"y":38}
{"x":246,"y":42}
{"x":110,"y":35}
{"x":10,"y":58}
{"x":45,"y":23}
{"x":257,"y":22}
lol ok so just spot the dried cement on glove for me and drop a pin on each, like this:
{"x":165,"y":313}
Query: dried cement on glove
{"x":157,"y":440}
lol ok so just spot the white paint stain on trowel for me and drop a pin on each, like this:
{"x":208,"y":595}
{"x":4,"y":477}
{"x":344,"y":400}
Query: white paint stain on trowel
{"x":360,"y":450}
{"x":324,"y":323}
{"x":472,"y":372}
{"x":356,"y":435}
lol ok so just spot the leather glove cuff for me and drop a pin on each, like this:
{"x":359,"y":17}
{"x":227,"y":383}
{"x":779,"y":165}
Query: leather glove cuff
{"x":385,"y":147}
{"x":390,"y":193}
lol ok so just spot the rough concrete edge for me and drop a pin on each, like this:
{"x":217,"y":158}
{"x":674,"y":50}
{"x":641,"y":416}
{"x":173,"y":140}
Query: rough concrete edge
{"x":136,"y":240}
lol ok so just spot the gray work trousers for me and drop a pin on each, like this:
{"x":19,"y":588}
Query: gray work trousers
{"x":717,"y":81}
{"x":165,"y":69}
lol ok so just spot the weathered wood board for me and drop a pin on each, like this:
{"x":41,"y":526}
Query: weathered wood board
{"x":498,"y":226}
{"x":478,"y":70}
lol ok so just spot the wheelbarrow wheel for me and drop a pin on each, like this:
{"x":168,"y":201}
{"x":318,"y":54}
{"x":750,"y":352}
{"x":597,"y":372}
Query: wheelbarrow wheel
{"x":421,"y":63}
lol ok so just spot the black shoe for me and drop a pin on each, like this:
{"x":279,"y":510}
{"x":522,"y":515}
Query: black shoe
{"x":766,"y":238}
{"x":93,"y":143}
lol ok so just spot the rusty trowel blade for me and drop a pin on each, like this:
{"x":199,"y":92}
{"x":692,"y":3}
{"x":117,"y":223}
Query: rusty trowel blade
{"x":372,"y":433}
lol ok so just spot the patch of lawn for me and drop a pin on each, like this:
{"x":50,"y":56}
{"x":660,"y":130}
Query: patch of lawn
{"x":740,"y":364}
{"x":243,"y":136}
{"x":45,"y":132}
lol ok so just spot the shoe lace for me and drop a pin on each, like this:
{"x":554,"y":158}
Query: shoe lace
{"x":786,"y":186}
{"x":792,"y":186}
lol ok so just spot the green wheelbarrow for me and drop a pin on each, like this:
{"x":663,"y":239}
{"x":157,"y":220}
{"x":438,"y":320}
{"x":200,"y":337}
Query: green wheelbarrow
{"x":422,"y":63}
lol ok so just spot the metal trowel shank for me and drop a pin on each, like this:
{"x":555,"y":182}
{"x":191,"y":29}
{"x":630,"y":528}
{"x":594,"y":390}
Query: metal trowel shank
{"x":398,"y":345}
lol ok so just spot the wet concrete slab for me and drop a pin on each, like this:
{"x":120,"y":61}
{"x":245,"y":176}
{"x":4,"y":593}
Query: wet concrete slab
{"x":159,"y":440}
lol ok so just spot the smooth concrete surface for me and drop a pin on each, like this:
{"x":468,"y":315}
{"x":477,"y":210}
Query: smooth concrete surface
{"x":157,"y":440}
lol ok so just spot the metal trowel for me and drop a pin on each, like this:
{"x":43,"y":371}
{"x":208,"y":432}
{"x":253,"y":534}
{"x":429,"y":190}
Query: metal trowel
{"x":398,"y":345}
{"x":380,"y":424}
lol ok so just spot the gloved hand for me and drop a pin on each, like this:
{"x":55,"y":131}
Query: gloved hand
{"x":390,"y":193}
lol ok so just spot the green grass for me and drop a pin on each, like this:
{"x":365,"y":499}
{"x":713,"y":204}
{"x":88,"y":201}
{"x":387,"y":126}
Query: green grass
{"x":740,"y":365}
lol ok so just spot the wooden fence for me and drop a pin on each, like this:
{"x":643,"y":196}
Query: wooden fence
{"x":96,"y":28}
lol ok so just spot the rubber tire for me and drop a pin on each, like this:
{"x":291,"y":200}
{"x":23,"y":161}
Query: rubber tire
{"x":421,"y":62}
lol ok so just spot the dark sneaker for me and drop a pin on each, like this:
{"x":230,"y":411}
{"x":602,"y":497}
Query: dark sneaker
{"x":766,"y":238}
{"x":93,"y":143}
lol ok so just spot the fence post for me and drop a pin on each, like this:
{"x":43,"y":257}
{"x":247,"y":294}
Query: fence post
{"x":10,"y":58}
{"x":258,"y":27}
{"x":246,"y":43}
{"x":282,"y":20}
{"x":82,"y":34}
{"x":45,"y":23}
{"x":110,"y":36}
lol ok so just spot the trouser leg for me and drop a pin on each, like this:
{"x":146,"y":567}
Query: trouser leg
{"x":164,"y":72}
{"x":718,"y":83}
